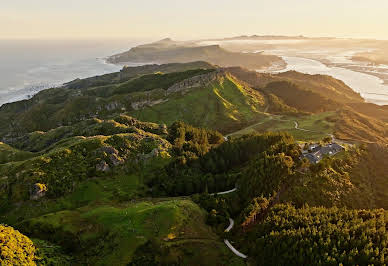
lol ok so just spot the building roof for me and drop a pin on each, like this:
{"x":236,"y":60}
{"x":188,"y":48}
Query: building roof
{"x":319,"y":152}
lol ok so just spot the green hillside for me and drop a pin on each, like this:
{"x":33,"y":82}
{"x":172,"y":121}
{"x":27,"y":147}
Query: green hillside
{"x":312,"y":127}
{"x":224,"y":104}
{"x":160,"y":231}
{"x":9,"y":154}
{"x":325,"y":86}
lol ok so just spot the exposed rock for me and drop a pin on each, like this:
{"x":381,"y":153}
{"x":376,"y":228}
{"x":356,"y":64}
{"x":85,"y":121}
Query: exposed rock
{"x":115,"y":159}
{"x":113,"y":106}
{"x":102,"y":167}
{"x":38,"y":191}
{"x":109,"y":150}
{"x":152,"y":154}
{"x":197,"y":81}
{"x":141,"y":104}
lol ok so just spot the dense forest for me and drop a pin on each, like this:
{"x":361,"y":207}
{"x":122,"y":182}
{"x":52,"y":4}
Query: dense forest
{"x":318,"y":236}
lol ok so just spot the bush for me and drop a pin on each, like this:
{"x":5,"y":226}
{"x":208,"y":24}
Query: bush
{"x":15,"y":248}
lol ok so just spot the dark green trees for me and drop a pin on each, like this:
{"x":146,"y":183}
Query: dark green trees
{"x":265,"y":175}
{"x":319,"y":236}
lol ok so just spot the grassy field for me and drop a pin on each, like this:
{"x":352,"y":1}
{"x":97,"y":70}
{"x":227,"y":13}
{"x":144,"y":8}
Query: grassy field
{"x":317,"y":125}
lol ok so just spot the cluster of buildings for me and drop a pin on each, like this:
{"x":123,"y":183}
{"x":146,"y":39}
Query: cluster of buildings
{"x":316,"y":152}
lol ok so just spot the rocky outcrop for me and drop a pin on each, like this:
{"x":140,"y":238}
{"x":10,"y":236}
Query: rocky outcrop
{"x":38,"y":191}
{"x":197,"y":81}
{"x":114,"y":159}
{"x":141,"y":104}
{"x":102,"y":167}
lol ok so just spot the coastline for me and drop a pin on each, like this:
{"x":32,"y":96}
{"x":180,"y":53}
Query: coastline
{"x":363,"y":83}
{"x":355,"y":68}
{"x":92,"y":67}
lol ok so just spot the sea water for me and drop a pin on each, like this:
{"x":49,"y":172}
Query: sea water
{"x":28,"y":66}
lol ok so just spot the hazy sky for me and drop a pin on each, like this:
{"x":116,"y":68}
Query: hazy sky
{"x":182,"y":19}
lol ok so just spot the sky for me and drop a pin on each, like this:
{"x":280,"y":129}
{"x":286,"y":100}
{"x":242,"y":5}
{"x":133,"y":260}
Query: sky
{"x":194,"y":19}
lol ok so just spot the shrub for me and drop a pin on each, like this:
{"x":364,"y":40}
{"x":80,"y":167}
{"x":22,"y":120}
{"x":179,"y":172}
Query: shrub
{"x":15,"y":248}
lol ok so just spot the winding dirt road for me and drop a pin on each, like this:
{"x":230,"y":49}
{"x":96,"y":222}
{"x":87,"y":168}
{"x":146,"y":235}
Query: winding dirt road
{"x":230,"y":227}
{"x":229,"y":245}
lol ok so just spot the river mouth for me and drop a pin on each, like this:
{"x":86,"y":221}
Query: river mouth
{"x":370,"y":87}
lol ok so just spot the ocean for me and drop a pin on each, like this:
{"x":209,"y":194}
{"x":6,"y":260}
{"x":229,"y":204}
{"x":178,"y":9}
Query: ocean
{"x":28,"y":66}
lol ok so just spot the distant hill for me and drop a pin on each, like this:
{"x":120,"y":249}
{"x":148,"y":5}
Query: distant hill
{"x":168,"y":51}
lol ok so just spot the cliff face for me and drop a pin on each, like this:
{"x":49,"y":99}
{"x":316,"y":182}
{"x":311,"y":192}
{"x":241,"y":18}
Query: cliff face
{"x":197,"y":81}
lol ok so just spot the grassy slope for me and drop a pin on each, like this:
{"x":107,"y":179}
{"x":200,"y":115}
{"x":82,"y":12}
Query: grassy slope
{"x":372,"y":110}
{"x":66,"y":105}
{"x":301,"y":99}
{"x":110,"y":234}
{"x":350,"y":125}
{"x":326,"y":86}
{"x":9,"y":154}
{"x":317,"y":123}
{"x":223,"y":105}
